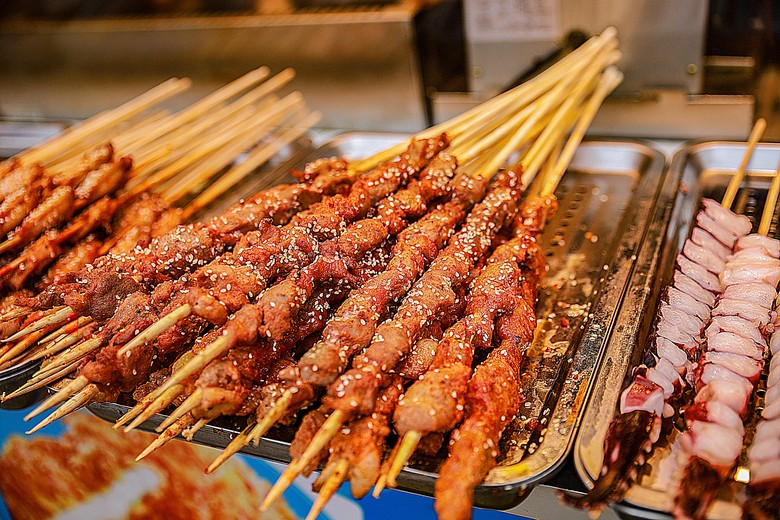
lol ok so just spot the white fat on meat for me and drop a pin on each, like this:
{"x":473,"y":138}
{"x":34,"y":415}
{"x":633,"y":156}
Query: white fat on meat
{"x":707,"y":241}
{"x":766,"y":472}
{"x":733,"y":395}
{"x":690,"y":286}
{"x":722,"y":234}
{"x":771,"y":411}
{"x":744,"y":366}
{"x":753,"y":256}
{"x":739,"y":224}
{"x":774,"y":361}
{"x":740,"y":273}
{"x":771,"y":246}
{"x":772,"y":395}
{"x":672,"y":332}
{"x":642,"y":394}
{"x":730,"y":342}
{"x":759,"y":292}
{"x":703,"y":257}
{"x":767,"y":431}
{"x":774,"y":345}
{"x":737,"y":325}
{"x":688,"y":323}
{"x":664,"y":375}
{"x":682,"y":300}
{"x":711,"y":372}
{"x":751,"y":311}
{"x":719,"y":413}
{"x":718,"y":445}
{"x":701,"y":275}
{"x":773,"y":379}
{"x":765,"y":451}
{"x":676,"y":356}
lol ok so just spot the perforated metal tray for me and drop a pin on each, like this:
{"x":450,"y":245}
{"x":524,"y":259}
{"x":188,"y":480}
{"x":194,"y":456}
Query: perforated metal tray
{"x":606,"y":200}
{"x":699,"y":170}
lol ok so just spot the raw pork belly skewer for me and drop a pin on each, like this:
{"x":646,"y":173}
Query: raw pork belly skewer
{"x":674,"y":347}
{"x":729,"y":368}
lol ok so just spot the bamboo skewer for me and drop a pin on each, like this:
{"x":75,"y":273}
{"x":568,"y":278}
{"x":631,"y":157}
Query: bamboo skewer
{"x":254,"y":160}
{"x":65,"y":141}
{"x":241,"y":440}
{"x":329,"y":488}
{"x":543,"y":82}
{"x":78,"y":400}
{"x":33,"y":384}
{"x":736,"y":180}
{"x":166,"y":436}
{"x":63,"y":394}
{"x":770,"y":204}
{"x":53,"y":319}
{"x":320,"y":440}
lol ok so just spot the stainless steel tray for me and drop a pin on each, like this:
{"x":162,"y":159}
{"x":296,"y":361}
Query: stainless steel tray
{"x":699,"y":170}
{"x":606,"y":200}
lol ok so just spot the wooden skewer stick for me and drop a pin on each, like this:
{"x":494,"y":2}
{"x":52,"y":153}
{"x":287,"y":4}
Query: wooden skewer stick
{"x":277,"y":411}
{"x":203,"y":151}
{"x":204,"y":105}
{"x":44,"y":318}
{"x":43,"y":349}
{"x":149,"y":406}
{"x":736,"y":180}
{"x":611,"y":79}
{"x":174,"y":430}
{"x":53,"y":319}
{"x":31,"y":385}
{"x":323,"y":436}
{"x":254,"y":431}
{"x":236,"y":445}
{"x":75,"y":353}
{"x":187,"y":140}
{"x":15,"y":313}
{"x":82,"y":398}
{"x":246,"y":136}
{"x":63,"y":394}
{"x":542,"y":82}
{"x":406,"y":448}
{"x":155,"y":329}
{"x":68,"y":328}
{"x":69,"y":159}
{"x":254,"y":160}
{"x":770,"y":204}
{"x":11,"y":356}
{"x":183,"y":409}
{"x":50,"y":149}
{"x":329,"y":488}
{"x":198,"y":362}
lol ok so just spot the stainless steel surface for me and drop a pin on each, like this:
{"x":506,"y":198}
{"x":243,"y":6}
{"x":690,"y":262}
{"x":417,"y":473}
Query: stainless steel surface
{"x":699,"y":170}
{"x":359,"y":67}
{"x":605,"y":200}
{"x":662,"y":40}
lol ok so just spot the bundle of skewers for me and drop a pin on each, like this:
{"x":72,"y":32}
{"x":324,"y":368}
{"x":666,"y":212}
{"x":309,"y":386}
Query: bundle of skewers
{"x":123,"y":178}
{"x":703,"y":363}
{"x":382,"y":306}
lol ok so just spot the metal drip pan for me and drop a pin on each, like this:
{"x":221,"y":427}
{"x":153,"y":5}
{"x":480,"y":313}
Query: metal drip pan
{"x":606,"y":201}
{"x":700,"y":170}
